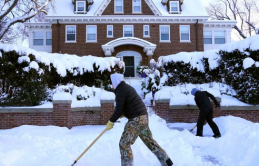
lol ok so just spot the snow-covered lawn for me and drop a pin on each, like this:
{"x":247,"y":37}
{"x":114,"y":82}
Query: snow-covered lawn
{"x":58,"y":146}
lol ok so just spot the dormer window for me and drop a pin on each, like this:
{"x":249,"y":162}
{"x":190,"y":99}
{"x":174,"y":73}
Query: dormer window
{"x":118,"y":6}
{"x":136,"y":6}
{"x":174,"y":7}
{"x":80,"y":6}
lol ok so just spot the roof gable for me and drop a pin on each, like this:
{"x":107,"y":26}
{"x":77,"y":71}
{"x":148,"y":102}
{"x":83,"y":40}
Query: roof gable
{"x":148,"y":8}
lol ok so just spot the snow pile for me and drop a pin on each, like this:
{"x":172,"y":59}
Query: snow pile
{"x":181,"y":94}
{"x":62,"y":96}
{"x":242,"y":45}
{"x":194,"y":58}
{"x":50,"y":145}
{"x":63,"y":62}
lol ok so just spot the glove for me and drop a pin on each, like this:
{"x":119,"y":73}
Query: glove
{"x":109,"y":125}
{"x":122,"y":116}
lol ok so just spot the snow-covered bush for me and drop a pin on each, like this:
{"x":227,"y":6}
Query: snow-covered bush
{"x":240,"y":69}
{"x":235,"y":64}
{"x":26,"y":75}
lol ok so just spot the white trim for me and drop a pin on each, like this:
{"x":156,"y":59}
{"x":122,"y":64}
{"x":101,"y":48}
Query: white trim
{"x":66,"y":34}
{"x":162,"y":41}
{"x":132,"y":29}
{"x":91,"y":41}
{"x":148,"y":47}
{"x":178,"y":7}
{"x":220,"y":23}
{"x":111,"y":36}
{"x":139,"y":12}
{"x":188,"y":41}
{"x":81,"y":19}
{"x":84,"y":11}
{"x":115,"y":12}
{"x":146,"y":36}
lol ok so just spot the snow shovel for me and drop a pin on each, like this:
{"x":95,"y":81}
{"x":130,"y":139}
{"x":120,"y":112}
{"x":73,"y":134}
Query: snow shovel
{"x":193,"y":128}
{"x":89,"y":147}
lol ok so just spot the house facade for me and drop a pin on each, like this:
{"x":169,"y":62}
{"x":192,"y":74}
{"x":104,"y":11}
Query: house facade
{"x":135,"y":31}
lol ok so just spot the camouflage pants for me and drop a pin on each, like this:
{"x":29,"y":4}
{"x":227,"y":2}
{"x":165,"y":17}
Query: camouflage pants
{"x":139,"y":127}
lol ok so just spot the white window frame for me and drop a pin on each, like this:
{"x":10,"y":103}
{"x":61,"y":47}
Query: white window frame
{"x":189,"y":34}
{"x":139,"y":7}
{"x":121,"y":6}
{"x":214,"y":38}
{"x":78,"y":6}
{"x":208,"y":37}
{"x":91,"y":41}
{"x":132,"y":29}
{"x":109,"y":36}
{"x":39,"y":38}
{"x":178,"y":7}
{"x":164,"y":41}
{"x":48,"y":38}
{"x":145,"y":30}
{"x":66,"y":34}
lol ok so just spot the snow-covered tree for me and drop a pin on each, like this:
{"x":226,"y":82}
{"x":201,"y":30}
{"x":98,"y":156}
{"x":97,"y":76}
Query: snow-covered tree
{"x":15,"y":12}
{"x":244,"y":11}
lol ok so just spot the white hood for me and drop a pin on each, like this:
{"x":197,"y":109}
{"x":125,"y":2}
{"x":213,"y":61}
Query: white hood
{"x":116,"y":79}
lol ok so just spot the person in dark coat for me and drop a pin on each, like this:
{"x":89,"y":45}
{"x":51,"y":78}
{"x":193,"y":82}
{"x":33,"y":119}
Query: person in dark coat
{"x":206,"y":111}
{"x":130,"y":105}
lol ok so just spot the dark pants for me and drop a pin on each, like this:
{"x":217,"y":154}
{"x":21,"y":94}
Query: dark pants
{"x":208,"y":116}
{"x":134,"y":128}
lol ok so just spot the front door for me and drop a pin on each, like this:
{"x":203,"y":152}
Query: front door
{"x":129,"y":66}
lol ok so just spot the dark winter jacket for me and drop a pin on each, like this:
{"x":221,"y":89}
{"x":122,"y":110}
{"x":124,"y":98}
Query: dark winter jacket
{"x":128,"y":102}
{"x":202,"y":100}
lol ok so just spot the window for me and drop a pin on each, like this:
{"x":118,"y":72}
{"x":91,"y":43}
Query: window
{"x":48,"y":38}
{"x":136,"y":6}
{"x":109,"y":30}
{"x":70,"y":33}
{"x":219,"y":37}
{"x":38,"y":38}
{"x":128,"y":31}
{"x":164,"y":33}
{"x":146,"y":31}
{"x":185,"y":33}
{"x":207,"y":37}
{"x":80,"y":6}
{"x":91,"y":33}
{"x":118,"y":6}
{"x":174,"y":7}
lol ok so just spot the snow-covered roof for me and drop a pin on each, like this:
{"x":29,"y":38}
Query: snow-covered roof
{"x":189,"y":8}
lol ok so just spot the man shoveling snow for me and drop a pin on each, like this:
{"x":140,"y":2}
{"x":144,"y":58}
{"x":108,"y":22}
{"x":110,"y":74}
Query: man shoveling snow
{"x":130,"y":105}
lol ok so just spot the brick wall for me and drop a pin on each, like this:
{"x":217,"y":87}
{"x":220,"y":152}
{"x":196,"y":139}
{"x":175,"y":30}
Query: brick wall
{"x":60,"y":115}
{"x":82,"y":48}
{"x":189,"y":114}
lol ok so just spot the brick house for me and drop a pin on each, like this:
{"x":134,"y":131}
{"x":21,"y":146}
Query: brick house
{"x":134,"y":30}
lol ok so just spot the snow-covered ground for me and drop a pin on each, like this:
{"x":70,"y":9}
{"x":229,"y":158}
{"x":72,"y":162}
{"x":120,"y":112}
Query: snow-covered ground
{"x":59,"y":146}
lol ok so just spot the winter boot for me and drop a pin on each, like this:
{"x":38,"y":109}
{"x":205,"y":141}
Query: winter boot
{"x":217,"y":135}
{"x":169,"y":162}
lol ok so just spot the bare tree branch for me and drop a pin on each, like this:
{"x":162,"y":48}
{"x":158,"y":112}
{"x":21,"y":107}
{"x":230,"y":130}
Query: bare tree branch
{"x":243,"y":11}
{"x":14,"y":12}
